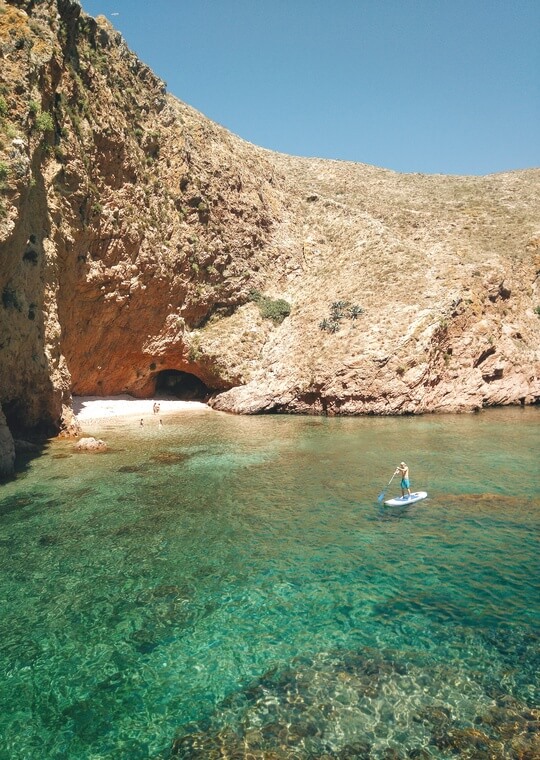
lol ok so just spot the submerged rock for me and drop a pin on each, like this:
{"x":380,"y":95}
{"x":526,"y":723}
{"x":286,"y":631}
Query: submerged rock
{"x":301,"y":710}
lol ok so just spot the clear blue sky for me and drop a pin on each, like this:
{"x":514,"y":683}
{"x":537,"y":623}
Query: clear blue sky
{"x":436,"y":86}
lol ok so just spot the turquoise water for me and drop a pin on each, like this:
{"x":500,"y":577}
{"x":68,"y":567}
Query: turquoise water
{"x":230,"y":587}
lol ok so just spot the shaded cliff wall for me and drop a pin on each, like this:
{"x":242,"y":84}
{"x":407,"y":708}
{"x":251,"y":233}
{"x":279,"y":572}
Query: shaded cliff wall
{"x":34,"y":382}
{"x":126,"y":219}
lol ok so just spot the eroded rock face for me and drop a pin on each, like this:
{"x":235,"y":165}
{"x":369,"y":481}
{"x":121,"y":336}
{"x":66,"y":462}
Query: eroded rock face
{"x":138,"y":237}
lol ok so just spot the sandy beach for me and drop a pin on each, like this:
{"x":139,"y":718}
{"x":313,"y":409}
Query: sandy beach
{"x":94,"y":408}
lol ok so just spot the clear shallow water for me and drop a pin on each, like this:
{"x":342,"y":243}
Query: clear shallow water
{"x":229,"y":585}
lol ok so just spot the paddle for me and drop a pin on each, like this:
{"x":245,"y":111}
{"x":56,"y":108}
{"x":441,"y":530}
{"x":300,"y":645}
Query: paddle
{"x":380,"y":497}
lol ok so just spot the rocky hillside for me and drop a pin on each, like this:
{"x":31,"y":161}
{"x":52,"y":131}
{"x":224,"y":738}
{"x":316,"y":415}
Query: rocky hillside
{"x":138,"y":239}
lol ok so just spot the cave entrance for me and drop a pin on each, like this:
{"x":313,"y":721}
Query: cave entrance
{"x":183,"y":385}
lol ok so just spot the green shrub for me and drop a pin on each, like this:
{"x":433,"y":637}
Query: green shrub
{"x":537,"y":310}
{"x":3,"y":106}
{"x":4,"y":171}
{"x":276,"y":310}
{"x":44,"y":122}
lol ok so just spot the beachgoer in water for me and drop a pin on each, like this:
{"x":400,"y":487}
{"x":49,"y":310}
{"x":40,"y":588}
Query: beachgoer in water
{"x":403,"y":469}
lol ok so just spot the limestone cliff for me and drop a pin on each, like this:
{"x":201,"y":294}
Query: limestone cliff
{"x":137,"y":237}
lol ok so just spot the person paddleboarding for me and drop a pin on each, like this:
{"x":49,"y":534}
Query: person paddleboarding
{"x":403,"y":470}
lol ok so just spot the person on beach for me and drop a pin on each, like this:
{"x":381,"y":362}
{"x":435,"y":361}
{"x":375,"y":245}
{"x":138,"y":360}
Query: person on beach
{"x":403,"y":469}
{"x":141,"y":423}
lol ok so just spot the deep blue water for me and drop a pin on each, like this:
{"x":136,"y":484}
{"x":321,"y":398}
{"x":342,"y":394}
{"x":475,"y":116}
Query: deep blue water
{"x":230,"y":587}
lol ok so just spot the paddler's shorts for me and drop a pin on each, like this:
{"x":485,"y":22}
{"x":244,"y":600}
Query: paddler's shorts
{"x":405,"y":482}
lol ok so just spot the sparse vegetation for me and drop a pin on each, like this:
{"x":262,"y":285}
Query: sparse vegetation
{"x":340,"y":310}
{"x":33,"y":108}
{"x":194,"y":352}
{"x":355,"y":311}
{"x":329,"y":325}
{"x":537,"y":311}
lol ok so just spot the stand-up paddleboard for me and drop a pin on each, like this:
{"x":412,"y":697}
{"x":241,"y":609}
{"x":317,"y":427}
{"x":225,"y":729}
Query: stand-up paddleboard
{"x":401,"y":500}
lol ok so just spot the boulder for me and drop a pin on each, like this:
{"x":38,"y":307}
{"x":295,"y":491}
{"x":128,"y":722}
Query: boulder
{"x":91,"y":444}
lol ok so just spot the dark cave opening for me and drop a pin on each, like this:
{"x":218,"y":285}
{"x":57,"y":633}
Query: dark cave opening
{"x":183,"y":385}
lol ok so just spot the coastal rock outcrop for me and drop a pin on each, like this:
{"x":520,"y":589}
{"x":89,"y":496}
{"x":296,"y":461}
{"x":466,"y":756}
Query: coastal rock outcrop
{"x":142,"y":244}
